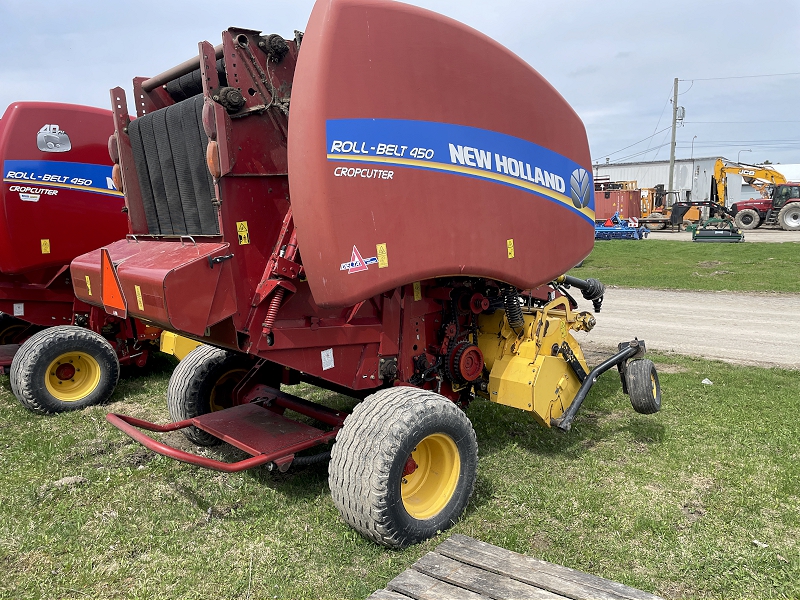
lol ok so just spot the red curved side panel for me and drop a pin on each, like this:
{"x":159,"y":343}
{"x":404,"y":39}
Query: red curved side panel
{"x":57,"y":197}
{"x":418,"y":147}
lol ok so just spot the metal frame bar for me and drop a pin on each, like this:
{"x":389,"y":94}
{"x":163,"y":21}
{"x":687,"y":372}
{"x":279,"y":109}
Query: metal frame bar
{"x":131,"y":426}
{"x":626,"y":352}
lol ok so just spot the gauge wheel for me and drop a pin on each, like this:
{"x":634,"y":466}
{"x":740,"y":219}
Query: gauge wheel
{"x":203,"y":382}
{"x":747,"y":219}
{"x":403,"y":467}
{"x":64,"y":368}
{"x":789,"y":217}
{"x":643,"y":386}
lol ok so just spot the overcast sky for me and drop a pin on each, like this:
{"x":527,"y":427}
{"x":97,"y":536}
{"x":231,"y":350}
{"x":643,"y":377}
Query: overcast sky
{"x":613,"y":61}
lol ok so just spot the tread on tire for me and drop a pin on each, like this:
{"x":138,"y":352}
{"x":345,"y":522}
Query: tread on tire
{"x":644,"y":388}
{"x":31,"y":369}
{"x":194,"y":380}
{"x":370,"y":457}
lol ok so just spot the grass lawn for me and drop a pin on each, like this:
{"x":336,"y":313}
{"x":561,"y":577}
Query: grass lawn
{"x":663,"y":264}
{"x":699,"y":501}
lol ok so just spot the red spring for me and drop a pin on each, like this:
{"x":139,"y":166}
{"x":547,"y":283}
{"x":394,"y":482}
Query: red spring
{"x":272,"y":311}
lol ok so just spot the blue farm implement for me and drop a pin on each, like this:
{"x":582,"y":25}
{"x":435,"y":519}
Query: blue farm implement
{"x":616,"y":228}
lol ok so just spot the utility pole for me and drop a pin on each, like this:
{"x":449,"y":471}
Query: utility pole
{"x":672,"y":146}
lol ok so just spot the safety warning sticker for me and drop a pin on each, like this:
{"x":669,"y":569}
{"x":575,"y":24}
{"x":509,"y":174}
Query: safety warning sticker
{"x":45,"y":246}
{"x":242,"y":231}
{"x":383,"y":257}
{"x":358,"y":264}
{"x":139,"y":301}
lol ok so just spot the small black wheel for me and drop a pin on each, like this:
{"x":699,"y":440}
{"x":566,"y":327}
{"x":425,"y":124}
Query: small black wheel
{"x":643,"y":387}
{"x":203,"y":382}
{"x":789,"y":217}
{"x":64,"y":368}
{"x":403,"y":467}
{"x":747,"y":219}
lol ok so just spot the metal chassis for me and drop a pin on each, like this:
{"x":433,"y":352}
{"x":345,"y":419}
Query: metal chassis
{"x":262,"y":395}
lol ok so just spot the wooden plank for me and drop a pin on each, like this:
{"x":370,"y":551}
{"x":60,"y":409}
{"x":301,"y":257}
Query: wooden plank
{"x":557,"y":579}
{"x":387,"y":595}
{"x":478,"y":580}
{"x":421,"y":587}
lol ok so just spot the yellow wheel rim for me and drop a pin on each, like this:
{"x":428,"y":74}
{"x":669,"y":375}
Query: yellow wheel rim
{"x":72,"y":376}
{"x":653,"y":382}
{"x":429,"y":488}
{"x":222,"y":392}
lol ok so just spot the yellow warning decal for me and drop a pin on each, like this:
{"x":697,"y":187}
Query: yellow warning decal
{"x":510,"y":247}
{"x":88,"y":285}
{"x":139,"y":301}
{"x":417,"y":291}
{"x":244,"y":233}
{"x":45,"y":246}
{"x":383,"y":258}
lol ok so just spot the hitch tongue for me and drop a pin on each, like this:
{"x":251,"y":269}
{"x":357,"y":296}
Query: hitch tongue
{"x":627,"y":350}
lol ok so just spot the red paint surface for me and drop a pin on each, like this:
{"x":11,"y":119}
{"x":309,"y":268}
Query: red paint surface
{"x":387,"y":60}
{"x":74,"y":221}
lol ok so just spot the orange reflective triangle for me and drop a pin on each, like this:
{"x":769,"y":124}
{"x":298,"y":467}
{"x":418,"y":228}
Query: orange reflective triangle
{"x":113,"y":298}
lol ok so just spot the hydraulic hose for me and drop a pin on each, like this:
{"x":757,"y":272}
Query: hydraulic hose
{"x":591,"y":289}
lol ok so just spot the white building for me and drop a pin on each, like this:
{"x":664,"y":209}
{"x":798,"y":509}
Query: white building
{"x":692,"y":177}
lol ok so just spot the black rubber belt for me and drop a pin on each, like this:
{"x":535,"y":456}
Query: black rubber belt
{"x":143,"y":174}
{"x":167,"y":162}
{"x":179,"y":146}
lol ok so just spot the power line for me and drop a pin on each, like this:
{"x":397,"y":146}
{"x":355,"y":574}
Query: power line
{"x":632,"y":145}
{"x":735,"y":122}
{"x":624,"y":158}
{"x":739,"y":77}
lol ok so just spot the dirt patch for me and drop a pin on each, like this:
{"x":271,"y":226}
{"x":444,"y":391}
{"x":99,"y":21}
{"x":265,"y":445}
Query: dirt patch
{"x":693,"y":510}
{"x":712,"y":274}
{"x":63,"y":483}
{"x":670,"y":369}
{"x":707,"y":264}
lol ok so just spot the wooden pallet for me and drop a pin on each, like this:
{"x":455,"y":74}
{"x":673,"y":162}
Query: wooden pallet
{"x":463,"y":568}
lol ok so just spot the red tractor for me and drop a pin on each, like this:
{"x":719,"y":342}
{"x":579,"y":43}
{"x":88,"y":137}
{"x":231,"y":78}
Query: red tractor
{"x":346,"y":208}
{"x":781,"y":208}
{"x":59,"y":201}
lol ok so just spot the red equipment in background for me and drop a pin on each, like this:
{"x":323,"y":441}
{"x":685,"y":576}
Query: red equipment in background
{"x":348,"y":209}
{"x":58,"y":200}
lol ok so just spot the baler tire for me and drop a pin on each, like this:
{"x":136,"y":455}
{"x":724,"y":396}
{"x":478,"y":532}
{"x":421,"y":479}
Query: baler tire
{"x":644,"y":388}
{"x":371,"y":455}
{"x":37,"y":383}
{"x":789,"y":217}
{"x":747,"y":219}
{"x":193,"y":387}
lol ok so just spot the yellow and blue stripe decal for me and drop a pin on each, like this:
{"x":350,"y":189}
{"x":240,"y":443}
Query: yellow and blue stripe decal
{"x":465,"y":151}
{"x":86,"y":177}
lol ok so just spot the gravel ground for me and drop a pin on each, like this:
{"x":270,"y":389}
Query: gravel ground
{"x":761,"y":329}
{"x":754,"y":235}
